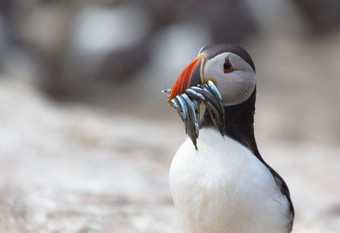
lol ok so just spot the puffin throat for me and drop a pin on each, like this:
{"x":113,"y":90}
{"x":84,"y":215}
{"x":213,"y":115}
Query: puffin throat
{"x":239,"y":122}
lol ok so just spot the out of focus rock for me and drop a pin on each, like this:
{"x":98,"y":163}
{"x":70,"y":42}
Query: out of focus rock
{"x":44,"y":26}
{"x":229,"y":21}
{"x":106,"y":43}
{"x":98,"y":30}
{"x":321,"y":15}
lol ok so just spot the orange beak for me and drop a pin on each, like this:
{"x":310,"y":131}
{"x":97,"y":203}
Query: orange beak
{"x":190,"y":76}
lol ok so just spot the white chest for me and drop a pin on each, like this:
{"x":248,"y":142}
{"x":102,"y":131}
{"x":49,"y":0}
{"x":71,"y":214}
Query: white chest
{"x":224,"y":188}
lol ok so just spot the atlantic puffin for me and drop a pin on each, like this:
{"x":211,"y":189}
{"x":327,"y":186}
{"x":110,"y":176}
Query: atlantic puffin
{"x":224,"y":185}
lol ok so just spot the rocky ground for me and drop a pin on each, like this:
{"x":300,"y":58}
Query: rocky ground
{"x":75,"y":168}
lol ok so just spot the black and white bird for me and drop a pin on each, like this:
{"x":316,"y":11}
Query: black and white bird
{"x":225,"y":186}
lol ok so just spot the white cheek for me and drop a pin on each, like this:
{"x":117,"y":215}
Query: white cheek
{"x":236,"y":87}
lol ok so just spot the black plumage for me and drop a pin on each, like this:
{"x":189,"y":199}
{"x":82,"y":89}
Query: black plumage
{"x":239,"y":119}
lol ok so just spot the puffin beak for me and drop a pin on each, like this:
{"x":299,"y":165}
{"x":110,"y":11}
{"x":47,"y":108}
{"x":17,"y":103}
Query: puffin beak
{"x":191,"y":76}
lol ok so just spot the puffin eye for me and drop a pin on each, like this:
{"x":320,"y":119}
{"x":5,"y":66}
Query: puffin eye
{"x":227,"y":66}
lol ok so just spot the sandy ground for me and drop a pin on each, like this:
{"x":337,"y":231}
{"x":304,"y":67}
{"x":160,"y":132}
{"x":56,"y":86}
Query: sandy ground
{"x":73,"y":168}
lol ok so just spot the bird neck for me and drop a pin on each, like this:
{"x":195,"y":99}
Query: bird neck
{"x":239,"y":123}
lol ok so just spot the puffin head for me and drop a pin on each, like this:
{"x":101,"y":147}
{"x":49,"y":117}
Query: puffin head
{"x":229,"y":66}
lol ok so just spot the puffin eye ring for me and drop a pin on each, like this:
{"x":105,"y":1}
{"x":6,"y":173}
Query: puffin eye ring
{"x":227,"y":66}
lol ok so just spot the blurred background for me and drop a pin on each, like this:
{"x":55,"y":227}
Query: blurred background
{"x":87,"y":138}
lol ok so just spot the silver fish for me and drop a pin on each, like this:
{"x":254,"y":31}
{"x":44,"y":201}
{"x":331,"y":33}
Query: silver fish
{"x":188,"y":103}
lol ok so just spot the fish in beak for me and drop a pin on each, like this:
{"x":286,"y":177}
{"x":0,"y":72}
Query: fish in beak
{"x":189,"y":91}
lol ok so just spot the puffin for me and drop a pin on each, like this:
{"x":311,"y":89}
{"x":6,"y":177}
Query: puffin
{"x":224,"y":185}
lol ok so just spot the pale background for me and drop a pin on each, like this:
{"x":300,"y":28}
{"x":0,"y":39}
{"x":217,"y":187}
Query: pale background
{"x":86,"y":137}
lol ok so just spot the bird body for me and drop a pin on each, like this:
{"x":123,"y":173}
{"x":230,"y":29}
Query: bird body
{"x":224,"y":188}
{"x":224,"y":185}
